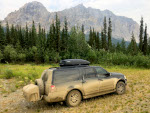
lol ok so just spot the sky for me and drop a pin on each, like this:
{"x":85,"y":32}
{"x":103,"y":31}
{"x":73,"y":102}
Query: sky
{"x":130,"y":8}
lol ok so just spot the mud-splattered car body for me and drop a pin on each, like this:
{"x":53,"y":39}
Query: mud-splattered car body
{"x":56,"y":83}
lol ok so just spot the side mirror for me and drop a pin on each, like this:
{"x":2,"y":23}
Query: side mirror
{"x":108,"y":74}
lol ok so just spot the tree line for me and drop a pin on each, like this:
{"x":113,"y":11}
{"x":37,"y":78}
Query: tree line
{"x":19,"y":44}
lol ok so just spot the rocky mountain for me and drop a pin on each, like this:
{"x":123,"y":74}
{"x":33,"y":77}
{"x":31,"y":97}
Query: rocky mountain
{"x":76,"y":16}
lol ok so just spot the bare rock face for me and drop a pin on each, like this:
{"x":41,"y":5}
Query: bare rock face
{"x":76,"y":16}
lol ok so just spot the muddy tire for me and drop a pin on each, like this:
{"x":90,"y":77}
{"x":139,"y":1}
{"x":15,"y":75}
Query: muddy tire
{"x":40,"y":84}
{"x":73,"y":98}
{"x":120,"y":88}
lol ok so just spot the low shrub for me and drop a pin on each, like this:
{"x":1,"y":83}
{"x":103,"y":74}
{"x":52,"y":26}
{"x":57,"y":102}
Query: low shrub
{"x":8,"y":74}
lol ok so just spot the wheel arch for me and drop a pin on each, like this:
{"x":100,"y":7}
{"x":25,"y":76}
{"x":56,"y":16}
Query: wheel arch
{"x":77,"y":90}
{"x":120,"y":80}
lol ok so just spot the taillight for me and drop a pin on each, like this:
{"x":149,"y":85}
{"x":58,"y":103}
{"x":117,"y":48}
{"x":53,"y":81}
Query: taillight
{"x":52,"y":88}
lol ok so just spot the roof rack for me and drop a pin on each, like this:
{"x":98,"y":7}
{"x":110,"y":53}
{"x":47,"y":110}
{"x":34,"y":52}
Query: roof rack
{"x":73,"y":62}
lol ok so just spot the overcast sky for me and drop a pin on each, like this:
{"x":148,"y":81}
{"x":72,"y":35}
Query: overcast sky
{"x":129,"y":8}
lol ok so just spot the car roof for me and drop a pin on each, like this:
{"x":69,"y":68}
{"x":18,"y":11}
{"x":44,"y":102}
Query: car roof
{"x":71,"y":67}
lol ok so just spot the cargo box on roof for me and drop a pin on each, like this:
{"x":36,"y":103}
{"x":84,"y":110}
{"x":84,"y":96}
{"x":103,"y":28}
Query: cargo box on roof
{"x":73,"y":62}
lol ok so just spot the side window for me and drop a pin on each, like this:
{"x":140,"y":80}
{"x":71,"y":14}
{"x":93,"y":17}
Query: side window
{"x":61,"y":76}
{"x":90,"y":73}
{"x":101,"y":72}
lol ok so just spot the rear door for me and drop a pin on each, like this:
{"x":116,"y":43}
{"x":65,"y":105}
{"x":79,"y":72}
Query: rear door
{"x":105,"y":80}
{"x":66,"y":79}
{"x":90,"y":81}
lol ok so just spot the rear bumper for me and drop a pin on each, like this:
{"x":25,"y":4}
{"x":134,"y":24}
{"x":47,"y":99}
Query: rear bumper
{"x":54,"y":97}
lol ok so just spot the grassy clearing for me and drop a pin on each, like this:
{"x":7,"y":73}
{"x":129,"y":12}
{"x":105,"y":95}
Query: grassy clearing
{"x":136,"y":99}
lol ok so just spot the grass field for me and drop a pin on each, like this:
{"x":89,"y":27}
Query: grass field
{"x":136,"y":99}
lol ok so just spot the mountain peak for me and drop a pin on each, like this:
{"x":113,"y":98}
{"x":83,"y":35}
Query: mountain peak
{"x":80,"y":6}
{"x":33,"y":6}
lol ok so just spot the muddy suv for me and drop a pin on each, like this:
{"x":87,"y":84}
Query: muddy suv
{"x":73,"y":81}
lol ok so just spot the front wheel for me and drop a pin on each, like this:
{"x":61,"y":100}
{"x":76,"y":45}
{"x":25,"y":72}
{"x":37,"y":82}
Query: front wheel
{"x":120,"y":88}
{"x":73,"y":98}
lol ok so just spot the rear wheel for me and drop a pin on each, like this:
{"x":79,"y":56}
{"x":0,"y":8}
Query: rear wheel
{"x":40,"y":84}
{"x":73,"y":98}
{"x":120,"y":88}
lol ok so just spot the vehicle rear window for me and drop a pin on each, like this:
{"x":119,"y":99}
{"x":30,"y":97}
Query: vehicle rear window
{"x":61,"y":76}
{"x":90,"y":73}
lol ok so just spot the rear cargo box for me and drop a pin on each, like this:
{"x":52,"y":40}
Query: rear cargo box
{"x":31,"y":92}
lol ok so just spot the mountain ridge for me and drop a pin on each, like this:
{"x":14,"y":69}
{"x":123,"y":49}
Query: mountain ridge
{"x":122,"y":27}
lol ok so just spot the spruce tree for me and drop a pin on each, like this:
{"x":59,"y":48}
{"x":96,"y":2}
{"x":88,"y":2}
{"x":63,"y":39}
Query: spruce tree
{"x":102,"y":39}
{"x":132,"y":47}
{"x":57,"y":24}
{"x":118,"y":47}
{"x":149,"y":46}
{"x":145,"y":45}
{"x":2,"y":38}
{"x":12,"y":36}
{"x":33,"y":34}
{"x":97,"y":41}
{"x":66,"y":35}
{"x":94,"y":39}
{"x":90,"y":38}
{"x":21,"y":37}
{"x":109,"y":34}
{"x":105,"y":34}
{"x":8,"y":39}
{"x":123,"y":46}
{"x":141,"y":35}
{"x":82,"y":28}
{"x":26,"y":39}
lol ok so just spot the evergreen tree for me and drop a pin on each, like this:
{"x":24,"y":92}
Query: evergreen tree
{"x":21,"y":37}
{"x":8,"y":39}
{"x":109,"y":34}
{"x":132,"y":47}
{"x":57,"y":24}
{"x":149,"y":46}
{"x":141,"y":35}
{"x":12,"y":36}
{"x":145,"y":45}
{"x":53,"y":37}
{"x":82,"y":28}
{"x":90,"y":38}
{"x":103,"y":40}
{"x":97,"y":41}
{"x":26,"y":39}
{"x":2,"y":38}
{"x":118,"y":47}
{"x":33,"y":34}
{"x":105,"y":34}
{"x":94,"y":39}
{"x":64,"y":38}
{"x":123,"y":46}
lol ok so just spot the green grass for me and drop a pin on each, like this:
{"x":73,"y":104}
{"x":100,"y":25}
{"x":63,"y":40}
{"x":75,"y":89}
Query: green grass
{"x":136,"y":99}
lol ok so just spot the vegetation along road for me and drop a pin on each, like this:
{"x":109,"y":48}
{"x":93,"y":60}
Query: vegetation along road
{"x":14,"y":77}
